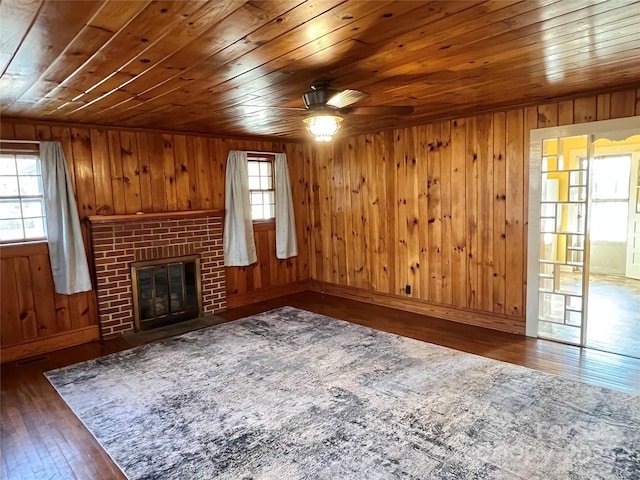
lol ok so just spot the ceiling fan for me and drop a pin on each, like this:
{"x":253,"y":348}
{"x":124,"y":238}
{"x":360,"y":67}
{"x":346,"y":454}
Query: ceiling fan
{"x":325,"y":107}
{"x":323,"y":97}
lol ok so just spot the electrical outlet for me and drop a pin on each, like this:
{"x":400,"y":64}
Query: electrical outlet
{"x":407,"y":289}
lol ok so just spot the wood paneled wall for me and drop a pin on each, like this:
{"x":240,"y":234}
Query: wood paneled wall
{"x":31,"y":310}
{"x":440,"y":207}
{"x":117,"y":171}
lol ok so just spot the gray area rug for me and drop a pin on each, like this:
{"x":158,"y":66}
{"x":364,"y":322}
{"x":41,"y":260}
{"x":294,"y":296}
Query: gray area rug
{"x":290,"y":394}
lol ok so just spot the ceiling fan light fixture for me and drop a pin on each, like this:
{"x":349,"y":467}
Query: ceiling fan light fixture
{"x":323,"y":127}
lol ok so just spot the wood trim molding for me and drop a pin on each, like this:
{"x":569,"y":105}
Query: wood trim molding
{"x":502,"y":323}
{"x":141,"y":217}
{"x":264,"y":225}
{"x":50,"y":343}
{"x":240,"y":300}
{"x":9,"y":250}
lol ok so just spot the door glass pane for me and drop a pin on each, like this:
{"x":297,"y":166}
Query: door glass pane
{"x":550,"y":146}
{"x":574,"y":318}
{"x":578,"y":178}
{"x":552,"y":247}
{"x":546,"y":284}
{"x":571,"y":218}
{"x":563,"y":216}
{"x":548,"y":225}
{"x":572,"y":151}
{"x":551,"y":307}
{"x":576,"y":241}
{"x":570,"y":280}
{"x":546,"y":268}
{"x":577,"y":194}
{"x":574,"y":303}
{"x":548,"y":210}
{"x":561,"y":332}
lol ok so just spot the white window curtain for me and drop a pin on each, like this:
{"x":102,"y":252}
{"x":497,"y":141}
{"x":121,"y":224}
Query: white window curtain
{"x":66,"y":248}
{"x":239,"y":245}
{"x":286,"y":242}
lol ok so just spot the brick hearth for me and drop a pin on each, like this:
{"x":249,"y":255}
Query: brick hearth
{"x":118,"y":240}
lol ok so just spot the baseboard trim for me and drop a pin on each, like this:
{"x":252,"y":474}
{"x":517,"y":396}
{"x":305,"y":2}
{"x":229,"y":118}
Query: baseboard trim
{"x":503,"y":323}
{"x":53,"y":342}
{"x":256,"y":296}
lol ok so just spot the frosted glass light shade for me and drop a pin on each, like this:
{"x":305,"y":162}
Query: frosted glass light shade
{"x":323,"y":127}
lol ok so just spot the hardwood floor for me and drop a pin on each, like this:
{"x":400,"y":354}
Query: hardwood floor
{"x":613,"y":324}
{"x":41,"y":438}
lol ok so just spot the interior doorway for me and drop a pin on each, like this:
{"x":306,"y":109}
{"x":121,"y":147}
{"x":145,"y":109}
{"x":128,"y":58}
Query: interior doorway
{"x":584,"y":236}
{"x":613,"y":318}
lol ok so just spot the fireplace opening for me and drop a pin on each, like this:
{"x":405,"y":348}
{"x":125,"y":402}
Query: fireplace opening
{"x":166,"y":291}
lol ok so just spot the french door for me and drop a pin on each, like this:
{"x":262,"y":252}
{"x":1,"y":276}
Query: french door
{"x":558,"y":248}
{"x":633,"y":232}
{"x":563,"y":275}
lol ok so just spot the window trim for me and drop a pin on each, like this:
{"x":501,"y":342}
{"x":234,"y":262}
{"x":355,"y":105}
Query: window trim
{"x":24,"y":150}
{"x":267,"y":158}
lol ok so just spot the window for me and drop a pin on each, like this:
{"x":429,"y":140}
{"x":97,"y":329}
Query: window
{"x":261,"y":188}
{"x":610,"y":198}
{"x":22,"y":214}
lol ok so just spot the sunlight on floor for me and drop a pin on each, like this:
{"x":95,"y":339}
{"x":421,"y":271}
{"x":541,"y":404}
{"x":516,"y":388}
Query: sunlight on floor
{"x":614,"y":314}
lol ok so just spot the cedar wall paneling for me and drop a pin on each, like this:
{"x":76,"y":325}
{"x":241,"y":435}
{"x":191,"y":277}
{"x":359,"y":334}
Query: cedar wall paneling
{"x":440,"y":207}
{"x":31,"y":311}
{"x":118,"y":171}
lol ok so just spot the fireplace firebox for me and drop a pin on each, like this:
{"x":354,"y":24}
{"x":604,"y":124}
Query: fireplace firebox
{"x":166,"y":291}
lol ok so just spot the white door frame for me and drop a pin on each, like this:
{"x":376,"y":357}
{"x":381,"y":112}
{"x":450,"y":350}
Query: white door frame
{"x":618,"y":129}
{"x":632,"y":270}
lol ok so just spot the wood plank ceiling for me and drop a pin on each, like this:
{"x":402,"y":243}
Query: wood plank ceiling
{"x":221,"y":66}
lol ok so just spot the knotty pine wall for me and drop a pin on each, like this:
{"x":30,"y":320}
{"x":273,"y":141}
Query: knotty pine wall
{"x":116,"y":171}
{"x":452,"y":224}
{"x":440,"y":207}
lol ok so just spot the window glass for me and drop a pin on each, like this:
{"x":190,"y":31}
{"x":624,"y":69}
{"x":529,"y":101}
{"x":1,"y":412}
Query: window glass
{"x":261,"y":187}
{"x":609,"y":221}
{"x":609,"y":207}
{"x":22,"y":212}
{"x":611,"y":177}
{"x":7,"y":165}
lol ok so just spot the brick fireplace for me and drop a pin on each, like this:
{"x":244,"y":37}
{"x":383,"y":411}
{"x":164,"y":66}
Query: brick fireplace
{"x":119,"y":240}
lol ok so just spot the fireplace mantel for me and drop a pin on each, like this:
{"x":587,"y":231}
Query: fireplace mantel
{"x":140,"y":217}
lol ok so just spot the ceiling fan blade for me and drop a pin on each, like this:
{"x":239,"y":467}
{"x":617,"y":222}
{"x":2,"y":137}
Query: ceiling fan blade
{"x":381,"y":110}
{"x":346,"y":97}
{"x":297,"y":109}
